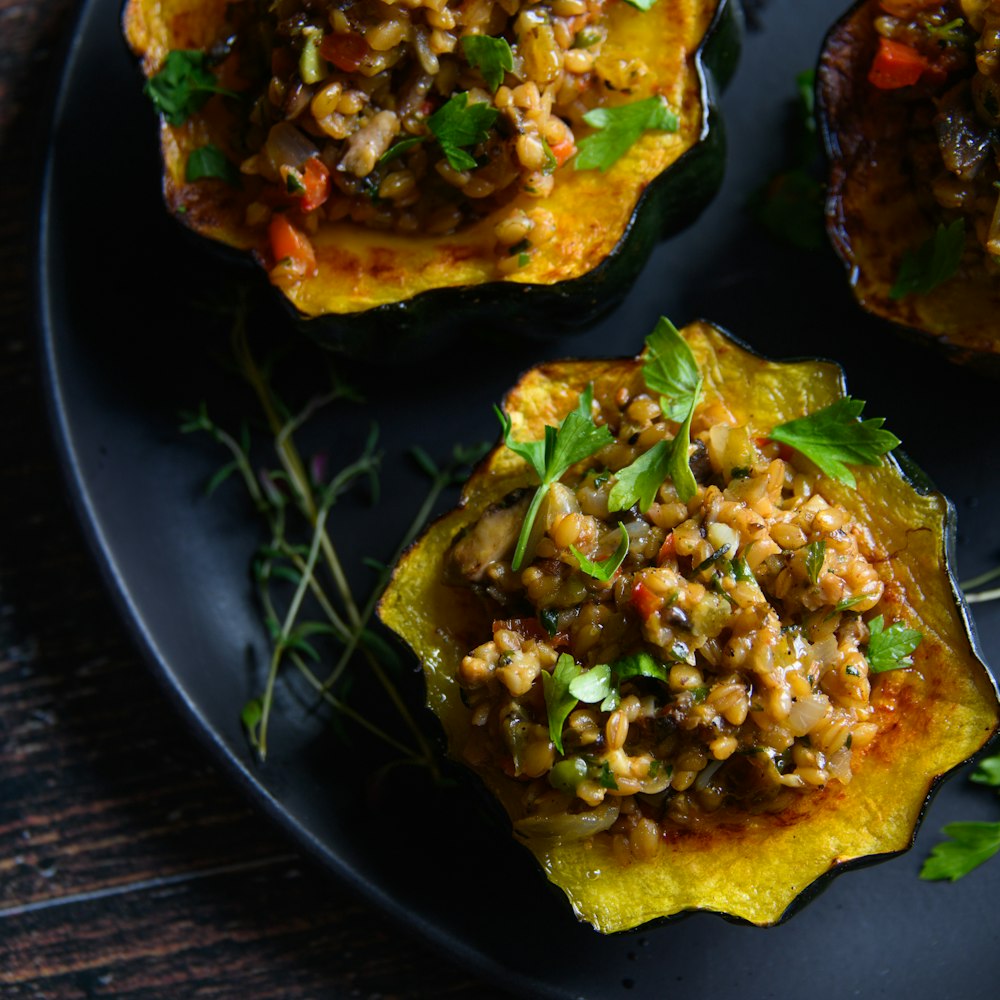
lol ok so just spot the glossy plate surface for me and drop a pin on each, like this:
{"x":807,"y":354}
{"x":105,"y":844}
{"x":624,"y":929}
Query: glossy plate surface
{"x":127,"y":345}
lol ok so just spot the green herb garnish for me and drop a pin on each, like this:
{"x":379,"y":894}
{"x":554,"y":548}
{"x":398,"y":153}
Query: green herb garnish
{"x":932,"y":263}
{"x":576,"y":438}
{"x":400,"y":147}
{"x":890,"y":648}
{"x":559,"y":702}
{"x":618,"y":129}
{"x":669,"y":368}
{"x":607,"y":568}
{"x":209,"y":161}
{"x":815,"y":557}
{"x":183,"y":85}
{"x":834,"y":436}
{"x":606,"y":779}
{"x":491,"y":56}
{"x":971,"y":844}
{"x":457,"y":124}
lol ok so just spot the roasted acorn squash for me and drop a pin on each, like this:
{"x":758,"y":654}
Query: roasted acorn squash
{"x":878,"y":211}
{"x":371,"y":283}
{"x":753,"y":867}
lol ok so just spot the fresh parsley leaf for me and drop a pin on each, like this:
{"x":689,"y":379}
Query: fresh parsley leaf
{"x":209,"y":161}
{"x":576,"y":438}
{"x":592,"y":685}
{"x":457,"y":124}
{"x":680,"y":464}
{"x":670,"y":369}
{"x":639,"y":665}
{"x":639,"y":482}
{"x":606,"y":568}
{"x":932,"y":263}
{"x":606,"y":779}
{"x":699,"y":693}
{"x":492,"y":57}
{"x":559,"y":702}
{"x":618,"y":129}
{"x":988,"y":772}
{"x":890,"y":648}
{"x":183,"y":85}
{"x":835,"y":435}
{"x":972,"y":843}
{"x":549,"y":617}
{"x":815,"y":557}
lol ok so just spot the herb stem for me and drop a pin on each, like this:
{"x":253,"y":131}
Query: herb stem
{"x":978,"y":581}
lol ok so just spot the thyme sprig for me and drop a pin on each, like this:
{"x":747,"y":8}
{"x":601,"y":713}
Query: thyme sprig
{"x":307,"y":602}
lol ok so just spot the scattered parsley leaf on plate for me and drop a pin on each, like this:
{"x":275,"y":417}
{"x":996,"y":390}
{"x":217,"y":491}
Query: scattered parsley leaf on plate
{"x":209,"y":161}
{"x":576,"y":438}
{"x":491,"y":56}
{"x":890,"y":648}
{"x":606,"y":568}
{"x":971,"y":844}
{"x":183,"y":85}
{"x":457,"y":124}
{"x":932,"y":263}
{"x":834,"y":436}
{"x":618,"y":129}
{"x":988,"y":772}
{"x":399,"y":148}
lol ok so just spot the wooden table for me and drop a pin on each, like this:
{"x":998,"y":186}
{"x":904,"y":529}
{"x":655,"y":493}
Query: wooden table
{"x":128,"y":867}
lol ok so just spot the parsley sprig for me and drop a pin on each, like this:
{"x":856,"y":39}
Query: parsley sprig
{"x":183,"y":85}
{"x":576,"y":438}
{"x":669,"y":368}
{"x":834,"y":436}
{"x":617,"y":129}
{"x":569,"y":683}
{"x":458,"y":124}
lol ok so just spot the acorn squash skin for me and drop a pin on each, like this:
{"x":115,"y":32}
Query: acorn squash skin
{"x":381,"y":295}
{"x":757,"y":869}
{"x":874,"y":212}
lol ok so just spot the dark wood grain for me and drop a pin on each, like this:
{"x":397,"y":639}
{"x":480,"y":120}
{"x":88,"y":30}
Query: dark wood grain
{"x":128,"y":867}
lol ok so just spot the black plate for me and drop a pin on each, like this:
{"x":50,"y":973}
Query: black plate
{"x":126,"y":347}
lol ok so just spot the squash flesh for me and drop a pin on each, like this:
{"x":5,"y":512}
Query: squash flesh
{"x":930,"y":718}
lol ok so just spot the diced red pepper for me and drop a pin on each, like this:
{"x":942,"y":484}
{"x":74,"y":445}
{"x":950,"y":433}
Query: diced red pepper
{"x":316,"y":180}
{"x":668,"y":550}
{"x":896,"y":65}
{"x":562,"y":151}
{"x":347,"y":52}
{"x":645,"y":601}
{"x":290,"y":244}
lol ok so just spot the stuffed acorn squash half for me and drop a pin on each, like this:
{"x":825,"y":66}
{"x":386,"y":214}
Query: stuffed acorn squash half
{"x":695,"y":632}
{"x":397,"y":166}
{"x":908,"y":95}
